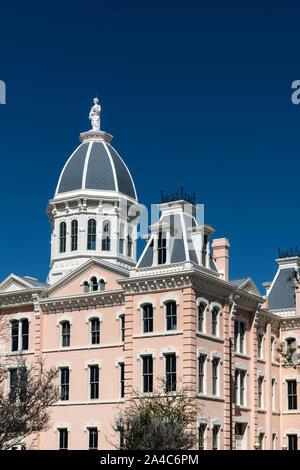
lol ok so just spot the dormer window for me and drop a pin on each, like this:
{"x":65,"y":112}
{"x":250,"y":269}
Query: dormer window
{"x":204,"y":249}
{"x":94,"y":284}
{"x":62,"y":237}
{"x":106,"y":236}
{"x":162,"y":248}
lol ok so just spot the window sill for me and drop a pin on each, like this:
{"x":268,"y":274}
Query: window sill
{"x":210,"y":397}
{"x":209,"y":336}
{"x":19,"y":353}
{"x":261,"y":410}
{"x":243,"y":407}
{"x":263,"y":361}
{"x":164,"y":333}
{"x":242,"y":355}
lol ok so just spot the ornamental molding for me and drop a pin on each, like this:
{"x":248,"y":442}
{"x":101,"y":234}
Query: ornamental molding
{"x":290,"y":323}
{"x":83,"y":302}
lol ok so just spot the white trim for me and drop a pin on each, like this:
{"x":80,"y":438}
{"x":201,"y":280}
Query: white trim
{"x":145,"y":352}
{"x":202,"y":300}
{"x":59,"y":426}
{"x":61,"y":365}
{"x":145,"y":300}
{"x":169,"y":350}
{"x":90,"y":425}
{"x":240,"y":419}
{"x":120,"y":313}
{"x":287,"y":378}
{"x":217,"y":355}
{"x":92,"y":362}
{"x":119,"y":360}
{"x":203,"y":352}
{"x":168,"y":298}
{"x":62,"y":319}
{"x":93,"y":315}
{"x":217,"y":422}
{"x":216,"y":304}
{"x":203,"y":421}
{"x":18,"y":317}
{"x":85,"y":167}
{"x":241,"y":367}
{"x":291,"y":431}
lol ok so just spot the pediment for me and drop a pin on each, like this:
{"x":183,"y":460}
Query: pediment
{"x":73,"y":283}
{"x":14,"y":283}
{"x":250,"y":287}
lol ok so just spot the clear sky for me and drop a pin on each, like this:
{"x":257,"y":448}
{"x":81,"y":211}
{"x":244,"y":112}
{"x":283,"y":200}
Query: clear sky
{"x":196,"y":93}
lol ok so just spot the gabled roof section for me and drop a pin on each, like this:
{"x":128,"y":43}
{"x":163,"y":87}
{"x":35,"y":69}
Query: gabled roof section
{"x":247,"y":285}
{"x":89,"y":266}
{"x":15,"y":283}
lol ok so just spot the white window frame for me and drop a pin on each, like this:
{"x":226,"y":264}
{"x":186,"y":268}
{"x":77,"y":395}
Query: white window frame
{"x":218,"y":306}
{"x":202,"y":300}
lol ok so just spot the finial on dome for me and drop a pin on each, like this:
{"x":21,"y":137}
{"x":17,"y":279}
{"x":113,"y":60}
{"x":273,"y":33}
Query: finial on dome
{"x":94,"y":115}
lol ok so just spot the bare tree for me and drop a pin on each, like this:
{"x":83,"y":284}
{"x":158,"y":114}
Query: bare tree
{"x":159,"y":421}
{"x":27,"y":390}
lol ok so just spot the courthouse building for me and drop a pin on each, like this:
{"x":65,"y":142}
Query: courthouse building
{"x":112,"y":323}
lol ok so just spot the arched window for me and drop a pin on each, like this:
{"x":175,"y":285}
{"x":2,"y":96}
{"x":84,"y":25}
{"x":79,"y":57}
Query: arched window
{"x":214,"y":321}
{"x":95,"y":331}
{"x":101,"y":285}
{"x":147,"y":318}
{"x":65,"y":334}
{"x":74,"y":235}
{"x":24,"y":334}
{"x":94,"y":284}
{"x":161,"y":248}
{"x":62,"y":237}
{"x":121,"y":239}
{"x":14,"y":335}
{"x":201,"y":310}
{"x":91,"y":235}
{"x":106,"y":236}
{"x":86,"y":287}
{"x":171,"y":315}
{"x":129,"y":244}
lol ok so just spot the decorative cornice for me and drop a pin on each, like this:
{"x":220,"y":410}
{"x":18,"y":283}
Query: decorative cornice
{"x":83,"y":301}
{"x":21,"y":298}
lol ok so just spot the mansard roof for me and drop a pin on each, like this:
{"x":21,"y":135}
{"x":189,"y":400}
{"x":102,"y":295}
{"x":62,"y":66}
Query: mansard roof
{"x":281,"y":294}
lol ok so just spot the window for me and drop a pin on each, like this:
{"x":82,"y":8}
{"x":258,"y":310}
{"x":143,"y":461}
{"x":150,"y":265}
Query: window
{"x":74,"y":235}
{"x":101,"y":285}
{"x":273,"y":393}
{"x":121,"y":239}
{"x":291,"y":345}
{"x":201,"y":310}
{"x":240,"y":387}
{"x":62,"y":237}
{"x":273,"y":441}
{"x":94,"y":382}
{"x":272,"y":347}
{"x":260,"y":346}
{"x":65,"y":334}
{"x":170,"y":364}
{"x":260,"y":392}
{"x":14,"y":335}
{"x":261,"y":437}
{"x":121,"y":442}
{"x":94,"y":284}
{"x":19,"y":335}
{"x":239,"y":336}
{"x":147,"y":374}
{"x":215,"y":443}
{"x":129,"y":244}
{"x":161,"y":248}
{"x":292,"y":394}
{"x":122,"y":379}
{"x":18,"y":384}
{"x":86,"y":287}
{"x":93,"y":439}
{"x":204,"y":249}
{"x":201,"y":365}
{"x":91,"y":235}
{"x":106,"y":236}
{"x":95,"y":331}
{"x":122,"y":320}
{"x":64,"y":383}
{"x":201,"y":436}
{"x":171,"y":315}
{"x":292,"y":442}
{"x":147,"y":318}
{"x":24,"y":333}
{"x":63,"y":439}
{"x":214,"y":321}
{"x":215,"y":378}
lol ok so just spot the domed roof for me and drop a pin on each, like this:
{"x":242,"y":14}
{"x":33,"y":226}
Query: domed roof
{"x":96,"y":165}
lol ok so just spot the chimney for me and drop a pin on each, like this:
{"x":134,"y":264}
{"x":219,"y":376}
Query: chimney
{"x":220,"y":247}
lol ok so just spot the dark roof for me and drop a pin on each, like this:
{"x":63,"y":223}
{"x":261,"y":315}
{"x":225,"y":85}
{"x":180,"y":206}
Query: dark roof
{"x":33,"y":282}
{"x":238,"y":282}
{"x":105,"y":170}
{"x":281,"y":295}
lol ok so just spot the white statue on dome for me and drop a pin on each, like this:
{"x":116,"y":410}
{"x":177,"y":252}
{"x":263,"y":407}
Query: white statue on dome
{"x":94,"y":115}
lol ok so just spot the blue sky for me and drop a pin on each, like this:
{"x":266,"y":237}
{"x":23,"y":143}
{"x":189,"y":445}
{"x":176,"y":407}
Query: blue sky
{"x":195,"y":93}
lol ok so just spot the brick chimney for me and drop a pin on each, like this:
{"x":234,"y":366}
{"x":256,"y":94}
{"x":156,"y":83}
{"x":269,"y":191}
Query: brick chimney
{"x":220,"y":247}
